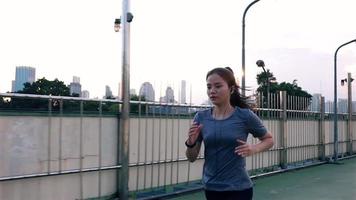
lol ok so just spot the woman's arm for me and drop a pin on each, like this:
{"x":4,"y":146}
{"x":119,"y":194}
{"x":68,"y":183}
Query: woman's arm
{"x":266,"y":142}
{"x":244,"y":149}
{"x":193,"y":144}
{"x":193,"y":152}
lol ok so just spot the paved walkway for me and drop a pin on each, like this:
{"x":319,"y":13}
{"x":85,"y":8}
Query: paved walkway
{"x":324,"y":182}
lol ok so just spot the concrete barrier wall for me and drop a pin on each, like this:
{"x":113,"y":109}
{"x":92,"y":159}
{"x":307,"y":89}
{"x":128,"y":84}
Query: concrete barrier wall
{"x":25,"y":150}
{"x":156,"y":154}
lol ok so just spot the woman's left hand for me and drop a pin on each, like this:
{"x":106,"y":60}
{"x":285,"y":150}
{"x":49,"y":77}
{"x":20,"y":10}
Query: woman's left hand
{"x":244,"y":149}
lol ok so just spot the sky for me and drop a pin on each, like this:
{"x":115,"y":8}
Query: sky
{"x":174,"y":40}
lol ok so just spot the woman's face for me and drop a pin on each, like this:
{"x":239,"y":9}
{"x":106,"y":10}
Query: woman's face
{"x":218,"y":90}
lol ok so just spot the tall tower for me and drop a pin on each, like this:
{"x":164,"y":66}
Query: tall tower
{"x":75,"y":87}
{"x":315,"y":105}
{"x":147,"y":91}
{"x":183,"y":92}
{"x":108,"y":92}
{"x":23,"y":75}
{"x":169,"y":95}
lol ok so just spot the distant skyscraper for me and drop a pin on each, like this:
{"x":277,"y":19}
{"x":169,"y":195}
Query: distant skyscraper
{"x":169,"y":98}
{"x":133,"y":92}
{"x":119,"y":93}
{"x":147,"y":91}
{"x":75,"y":86}
{"x":329,"y":106}
{"x":315,"y":104}
{"x":23,"y":75}
{"x":169,"y":95}
{"x":342,"y":106}
{"x":183,"y":92}
{"x":108,"y":92}
{"x":85,"y":94}
{"x":13,"y":86}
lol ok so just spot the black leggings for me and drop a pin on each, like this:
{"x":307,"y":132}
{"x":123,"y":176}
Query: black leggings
{"x":229,"y":195}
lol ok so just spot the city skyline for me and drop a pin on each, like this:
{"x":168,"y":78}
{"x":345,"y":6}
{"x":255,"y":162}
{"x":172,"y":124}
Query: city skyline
{"x":24,"y":74}
{"x":180,"y":92}
{"x":168,"y":45}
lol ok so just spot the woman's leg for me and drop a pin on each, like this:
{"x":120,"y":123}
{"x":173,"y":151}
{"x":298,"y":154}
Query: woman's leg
{"x":213,"y":195}
{"x":243,"y":195}
{"x":229,"y":195}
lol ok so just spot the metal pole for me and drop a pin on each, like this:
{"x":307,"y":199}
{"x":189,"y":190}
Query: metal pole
{"x":243,"y":87}
{"x":335,"y":101}
{"x":268,"y":98}
{"x":349,"y":107}
{"x":124,"y":122}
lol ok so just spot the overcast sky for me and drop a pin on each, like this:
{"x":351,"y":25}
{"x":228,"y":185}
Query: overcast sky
{"x":172,"y":40}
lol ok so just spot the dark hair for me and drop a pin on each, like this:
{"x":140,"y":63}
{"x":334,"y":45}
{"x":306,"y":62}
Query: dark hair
{"x":236,"y":99}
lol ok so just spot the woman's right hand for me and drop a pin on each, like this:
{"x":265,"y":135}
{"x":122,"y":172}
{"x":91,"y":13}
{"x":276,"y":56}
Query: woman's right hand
{"x":194,"y":132}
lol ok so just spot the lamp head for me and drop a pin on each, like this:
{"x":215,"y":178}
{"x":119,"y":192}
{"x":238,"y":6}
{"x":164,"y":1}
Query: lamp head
{"x":117,"y":25}
{"x":260,"y":63}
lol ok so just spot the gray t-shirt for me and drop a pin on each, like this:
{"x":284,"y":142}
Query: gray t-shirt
{"x":223,"y":169}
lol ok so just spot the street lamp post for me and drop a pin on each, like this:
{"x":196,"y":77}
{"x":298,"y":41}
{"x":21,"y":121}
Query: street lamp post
{"x":260,"y":63}
{"x":335,"y":101}
{"x":349,"y":80}
{"x":124,"y":129}
{"x":243,"y":85}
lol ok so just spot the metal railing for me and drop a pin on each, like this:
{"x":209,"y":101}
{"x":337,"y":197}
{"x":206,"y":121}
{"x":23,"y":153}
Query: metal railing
{"x":75,"y":142}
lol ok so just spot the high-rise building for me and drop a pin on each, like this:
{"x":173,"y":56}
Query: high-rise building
{"x":169,"y":98}
{"x":23,"y":75}
{"x":315,"y":104}
{"x":13,"y":86}
{"x":183,"y":92}
{"x":75,"y":86}
{"x":85,"y":94}
{"x":169,"y":95}
{"x":147,"y":91}
{"x":108,"y":92}
{"x":342,"y":106}
{"x":329,"y":106}
{"x":119,"y":93}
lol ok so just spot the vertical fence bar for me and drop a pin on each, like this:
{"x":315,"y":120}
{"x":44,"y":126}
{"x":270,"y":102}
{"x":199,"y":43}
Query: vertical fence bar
{"x":81,"y":156}
{"x":190,"y":122}
{"x":49,"y":135}
{"x":138,"y":143}
{"x":299,"y":136}
{"x":145,"y":149}
{"x":159,"y":144}
{"x":100,"y":144}
{"x":166,"y":147}
{"x":304,"y":123}
{"x":172,"y":141}
{"x":178,"y":139}
{"x":275,"y":106}
{"x":60,"y":134}
{"x":321,"y":142}
{"x":283,"y":138}
{"x":153,"y":142}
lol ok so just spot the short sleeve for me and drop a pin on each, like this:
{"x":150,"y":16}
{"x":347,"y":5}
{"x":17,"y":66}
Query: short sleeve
{"x":255,"y":125}
{"x":197,"y":119}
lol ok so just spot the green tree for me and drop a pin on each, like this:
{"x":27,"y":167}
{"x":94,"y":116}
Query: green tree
{"x":45,"y":87}
{"x":136,"y":108}
{"x":292,"y":89}
{"x":41,"y":87}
